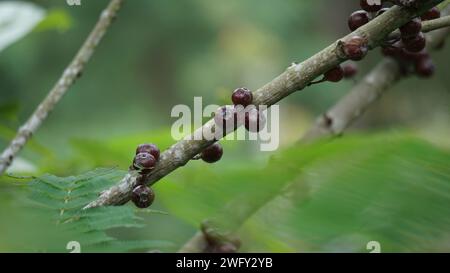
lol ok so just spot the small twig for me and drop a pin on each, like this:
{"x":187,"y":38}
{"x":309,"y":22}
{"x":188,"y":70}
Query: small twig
{"x":427,"y":26}
{"x":435,"y":24}
{"x":67,"y":79}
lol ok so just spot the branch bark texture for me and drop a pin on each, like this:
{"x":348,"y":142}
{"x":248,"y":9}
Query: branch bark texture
{"x":296,"y":77}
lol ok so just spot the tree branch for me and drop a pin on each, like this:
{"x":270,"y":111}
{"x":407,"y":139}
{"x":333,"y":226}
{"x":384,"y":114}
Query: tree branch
{"x":362,"y":96}
{"x":67,"y":79}
{"x":338,"y":118}
{"x":435,"y":24}
{"x":353,"y":105}
{"x":427,"y":26}
{"x":296,"y":77}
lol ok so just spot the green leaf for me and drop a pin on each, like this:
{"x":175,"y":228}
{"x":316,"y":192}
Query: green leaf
{"x":328,"y":196}
{"x":393,"y":192}
{"x":93,"y":237}
{"x":109,"y":217}
{"x":59,"y":200}
{"x":119,"y":246}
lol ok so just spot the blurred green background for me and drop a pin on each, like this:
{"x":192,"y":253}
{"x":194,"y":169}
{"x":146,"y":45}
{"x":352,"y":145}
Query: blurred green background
{"x":162,"y":53}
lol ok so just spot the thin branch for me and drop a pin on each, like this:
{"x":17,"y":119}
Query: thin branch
{"x":353,"y":105}
{"x":362,"y":96}
{"x":435,"y":24}
{"x":336,"y":120}
{"x":427,"y":26}
{"x":296,"y":77}
{"x":67,"y":79}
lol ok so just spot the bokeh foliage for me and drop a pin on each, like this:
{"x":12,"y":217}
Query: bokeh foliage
{"x":390,"y":182}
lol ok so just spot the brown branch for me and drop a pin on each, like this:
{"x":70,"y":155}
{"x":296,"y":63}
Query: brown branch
{"x":67,"y":79}
{"x":296,"y":77}
{"x":362,"y":96}
{"x":335,"y":121}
